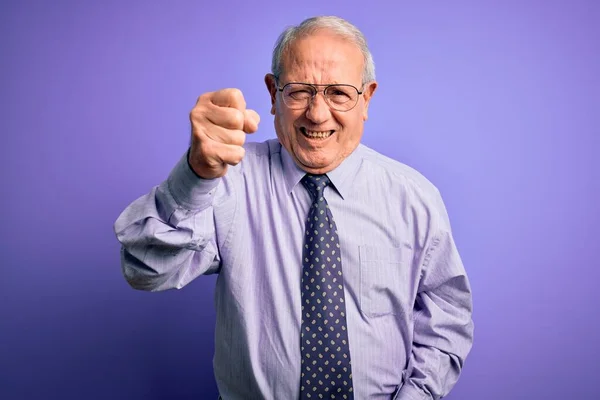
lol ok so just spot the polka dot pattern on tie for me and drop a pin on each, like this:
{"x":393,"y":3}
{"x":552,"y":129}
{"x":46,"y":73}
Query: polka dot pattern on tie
{"x":326,"y":368}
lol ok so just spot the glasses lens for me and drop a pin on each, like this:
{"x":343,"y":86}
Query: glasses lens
{"x":341,"y":97}
{"x":298,"y":95}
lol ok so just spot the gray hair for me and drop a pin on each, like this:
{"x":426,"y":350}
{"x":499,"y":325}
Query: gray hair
{"x":334,"y":24}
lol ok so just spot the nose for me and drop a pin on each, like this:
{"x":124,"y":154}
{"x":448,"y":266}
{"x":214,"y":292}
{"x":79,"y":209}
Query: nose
{"x":318,"y":110}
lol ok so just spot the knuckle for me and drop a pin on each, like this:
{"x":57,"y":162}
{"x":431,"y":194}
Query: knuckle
{"x":237,"y":119}
{"x":204,"y":97}
{"x":238,"y":138}
{"x":200,"y":133}
{"x":198,"y":130}
{"x":205,"y":148}
{"x":236,"y":95}
{"x":197,"y":113}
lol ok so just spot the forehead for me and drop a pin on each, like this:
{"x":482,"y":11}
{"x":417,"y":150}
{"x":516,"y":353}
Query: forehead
{"x":323,"y":57}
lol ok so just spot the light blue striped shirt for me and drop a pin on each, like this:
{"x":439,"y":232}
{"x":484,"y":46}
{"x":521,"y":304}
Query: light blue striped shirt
{"x":408,"y":298}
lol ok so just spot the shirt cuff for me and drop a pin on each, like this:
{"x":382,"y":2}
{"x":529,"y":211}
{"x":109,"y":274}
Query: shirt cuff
{"x":188,"y":189}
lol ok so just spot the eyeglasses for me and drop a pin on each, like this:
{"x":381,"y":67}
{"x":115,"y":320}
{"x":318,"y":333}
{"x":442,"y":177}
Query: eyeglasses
{"x":340,"y":97}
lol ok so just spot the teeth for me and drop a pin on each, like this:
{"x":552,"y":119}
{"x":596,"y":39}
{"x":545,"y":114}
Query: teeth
{"x":317,"y":134}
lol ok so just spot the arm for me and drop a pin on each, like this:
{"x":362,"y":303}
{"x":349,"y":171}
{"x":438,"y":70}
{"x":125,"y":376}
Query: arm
{"x":168,"y":236}
{"x":443,"y":326}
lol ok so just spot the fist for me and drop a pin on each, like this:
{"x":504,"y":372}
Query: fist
{"x":220,"y":122}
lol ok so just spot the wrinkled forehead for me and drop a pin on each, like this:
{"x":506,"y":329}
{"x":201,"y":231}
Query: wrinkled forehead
{"x":322,"y":57}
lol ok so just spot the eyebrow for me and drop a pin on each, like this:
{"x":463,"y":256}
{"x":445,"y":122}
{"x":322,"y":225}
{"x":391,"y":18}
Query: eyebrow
{"x":321,"y":84}
{"x":305,"y":80}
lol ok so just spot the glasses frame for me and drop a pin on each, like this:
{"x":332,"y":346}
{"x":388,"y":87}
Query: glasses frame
{"x":317,"y":91}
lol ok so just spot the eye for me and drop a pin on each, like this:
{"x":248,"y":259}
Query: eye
{"x":339,"y":95}
{"x":338,"y":92}
{"x":300,"y":93}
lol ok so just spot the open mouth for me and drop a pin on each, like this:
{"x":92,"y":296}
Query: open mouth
{"x":316,"y":134}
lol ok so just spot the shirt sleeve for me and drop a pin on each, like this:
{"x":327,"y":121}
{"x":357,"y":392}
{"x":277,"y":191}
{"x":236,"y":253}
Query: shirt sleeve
{"x":443,"y":325}
{"x":168,"y":236}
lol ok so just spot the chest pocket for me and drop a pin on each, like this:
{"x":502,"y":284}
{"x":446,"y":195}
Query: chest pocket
{"x":385,"y":283}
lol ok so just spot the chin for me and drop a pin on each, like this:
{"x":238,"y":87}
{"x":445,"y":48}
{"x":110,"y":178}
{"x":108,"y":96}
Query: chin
{"x":317,"y":166}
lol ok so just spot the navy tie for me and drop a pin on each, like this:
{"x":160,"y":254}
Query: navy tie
{"x":326,"y":371}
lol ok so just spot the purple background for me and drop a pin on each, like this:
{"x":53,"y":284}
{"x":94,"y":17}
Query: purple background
{"x":497,"y":104}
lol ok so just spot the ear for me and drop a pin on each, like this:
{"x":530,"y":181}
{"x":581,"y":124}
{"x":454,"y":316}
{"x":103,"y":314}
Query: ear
{"x":368,"y":93}
{"x":272,"y":88}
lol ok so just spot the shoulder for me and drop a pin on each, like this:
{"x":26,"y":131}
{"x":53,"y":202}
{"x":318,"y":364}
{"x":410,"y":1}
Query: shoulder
{"x":262,"y":149}
{"x":396,"y":171}
{"x":397,"y":176}
{"x":258,"y":155}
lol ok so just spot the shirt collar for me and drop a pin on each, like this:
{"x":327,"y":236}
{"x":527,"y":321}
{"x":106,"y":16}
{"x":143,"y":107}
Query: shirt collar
{"x":340,"y":177}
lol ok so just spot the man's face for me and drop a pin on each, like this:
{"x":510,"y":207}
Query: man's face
{"x":321,"y":58}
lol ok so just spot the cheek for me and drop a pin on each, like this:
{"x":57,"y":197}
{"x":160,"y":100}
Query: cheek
{"x":352,"y":125}
{"x":284,"y":126}
{"x":287,"y":121}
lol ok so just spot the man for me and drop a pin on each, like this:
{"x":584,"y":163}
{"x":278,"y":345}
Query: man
{"x":338,"y":274}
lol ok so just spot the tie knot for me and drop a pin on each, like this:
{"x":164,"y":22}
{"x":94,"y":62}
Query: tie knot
{"x":315,"y":184}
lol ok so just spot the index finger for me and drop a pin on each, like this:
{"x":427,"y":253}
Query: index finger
{"x":229,"y":98}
